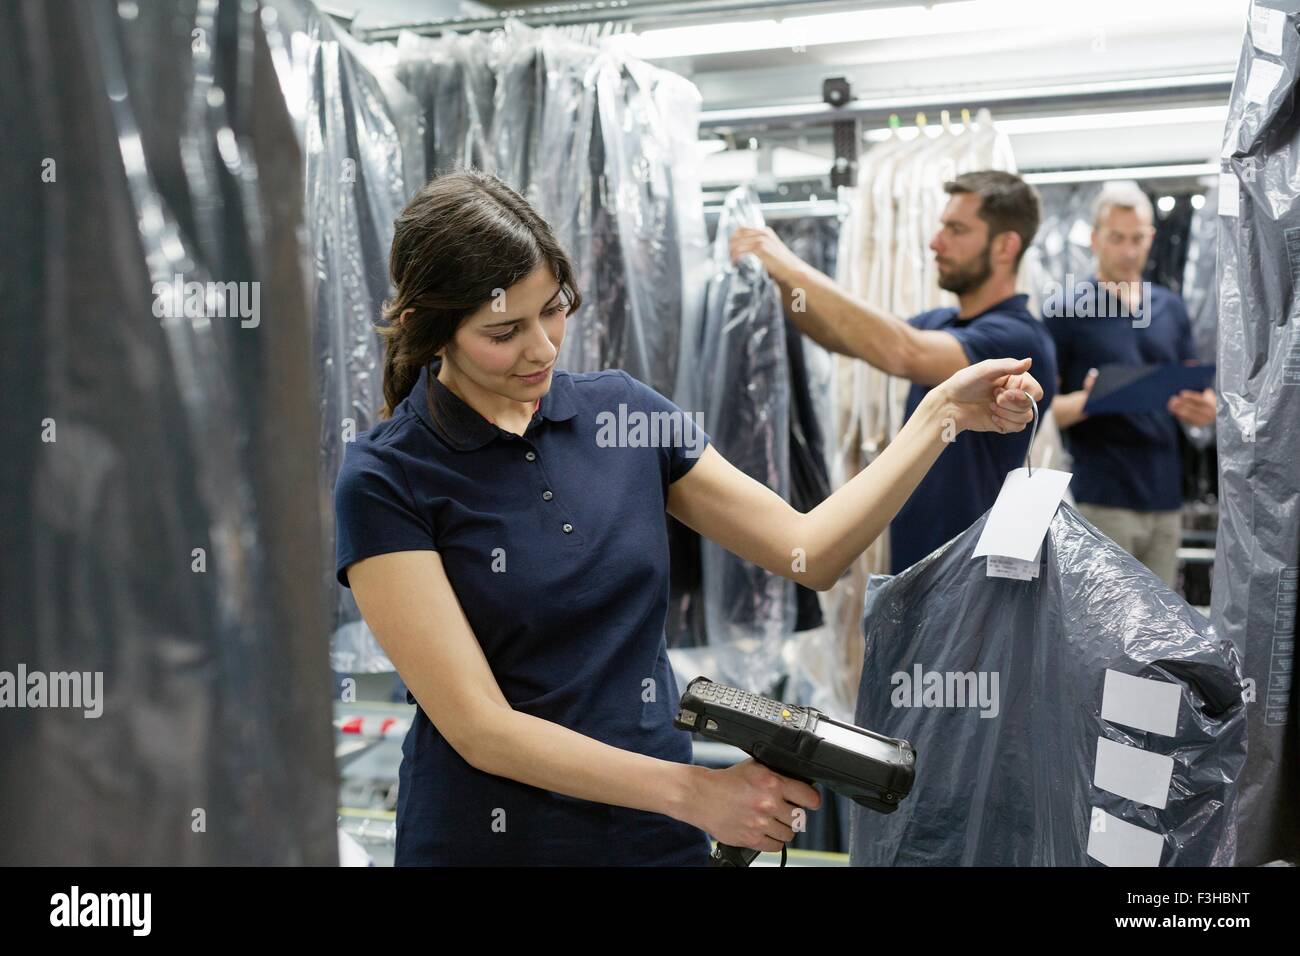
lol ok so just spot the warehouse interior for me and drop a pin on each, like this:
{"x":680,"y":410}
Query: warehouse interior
{"x":174,"y":488}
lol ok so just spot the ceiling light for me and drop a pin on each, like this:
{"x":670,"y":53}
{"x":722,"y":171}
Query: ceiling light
{"x":891,"y":23}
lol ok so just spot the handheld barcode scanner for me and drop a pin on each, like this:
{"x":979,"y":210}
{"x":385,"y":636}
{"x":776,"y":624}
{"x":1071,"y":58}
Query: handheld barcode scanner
{"x":798,"y":742}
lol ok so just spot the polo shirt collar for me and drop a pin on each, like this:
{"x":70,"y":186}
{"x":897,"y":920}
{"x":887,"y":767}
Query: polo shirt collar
{"x":462,"y":427}
{"x":1014,"y":303}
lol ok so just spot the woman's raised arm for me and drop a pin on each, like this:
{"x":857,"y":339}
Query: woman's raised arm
{"x":752,"y":521}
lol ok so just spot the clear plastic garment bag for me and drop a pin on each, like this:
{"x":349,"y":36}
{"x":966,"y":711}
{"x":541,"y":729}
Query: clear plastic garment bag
{"x":162,"y":451}
{"x":744,"y":391}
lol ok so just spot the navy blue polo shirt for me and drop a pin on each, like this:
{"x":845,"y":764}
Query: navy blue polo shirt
{"x":1122,"y":460}
{"x":966,"y":479}
{"x":556,"y":544}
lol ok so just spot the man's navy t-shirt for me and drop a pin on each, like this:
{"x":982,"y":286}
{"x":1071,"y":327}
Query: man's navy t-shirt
{"x":965,"y":481}
{"x":556,"y":545}
{"x":1122,"y":460}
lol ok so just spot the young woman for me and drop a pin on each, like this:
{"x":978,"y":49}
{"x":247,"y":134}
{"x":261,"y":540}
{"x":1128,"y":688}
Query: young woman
{"x":513,"y":561}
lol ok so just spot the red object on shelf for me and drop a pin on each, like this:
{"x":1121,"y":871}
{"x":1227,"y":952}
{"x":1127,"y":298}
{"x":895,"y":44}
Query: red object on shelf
{"x":352,"y":726}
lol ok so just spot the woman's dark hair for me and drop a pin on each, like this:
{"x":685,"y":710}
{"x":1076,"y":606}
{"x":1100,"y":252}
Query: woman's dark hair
{"x":464,"y":236}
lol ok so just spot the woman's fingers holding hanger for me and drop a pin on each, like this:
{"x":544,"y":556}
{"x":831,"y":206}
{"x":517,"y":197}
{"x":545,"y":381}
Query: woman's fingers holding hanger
{"x":1013,"y":399}
{"x":993,"y":395}
{"x":1012,"y":403}
{"x":1018,"y":389}
{"x":1006,"y":420}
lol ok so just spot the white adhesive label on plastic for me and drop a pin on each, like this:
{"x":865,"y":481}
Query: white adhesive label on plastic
{"x":1020,"y":517}
{"x":1229,"y":195}
{"x":1264,"y":77}
{"x":1115,"y":842}
{"x":1002,"y":567}
{"x":1230,"y":140}
{"x":1132,"y":773}
{"x":1141,"y":703}
{"x":1266,"y":28}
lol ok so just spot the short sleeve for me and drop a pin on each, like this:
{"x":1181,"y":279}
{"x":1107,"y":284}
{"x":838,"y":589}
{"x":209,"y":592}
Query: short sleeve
{"x":373,"y":510}
{"x":993,"y":337}
{"x":688,"y":438}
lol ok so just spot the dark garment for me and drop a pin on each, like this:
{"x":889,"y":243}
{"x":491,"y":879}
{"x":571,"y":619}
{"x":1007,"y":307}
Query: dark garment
{"x":1257,"y":564}
{"x":1130,"y":460}
{"x":966,"y":479}
{"x":744,"y":394}
{"x":1005,"y":688}
{"x":810,"y":484}
{"x":159,"y":491}
{"x":556,"y":546}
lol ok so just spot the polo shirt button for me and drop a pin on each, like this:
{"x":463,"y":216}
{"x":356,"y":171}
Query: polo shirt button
{"x":547,"y":496}
{"x":568,"y":528}
{"x":531,"y":456}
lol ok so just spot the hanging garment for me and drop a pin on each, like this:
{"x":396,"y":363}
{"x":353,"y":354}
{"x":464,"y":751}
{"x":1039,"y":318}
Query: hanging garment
{"x":1200,"y":286}
{"x":603,"y":145}
{"x":1025,"y":702}
{"x":641,"y":148}
{"x":1258,"y":554}
{"x":814,"y":241}
{"x":745,"y":378}
{"x":360,"y":132}
{"x":161,"y":459}
{"x":454,"y":79}
{"x":517,"y":113}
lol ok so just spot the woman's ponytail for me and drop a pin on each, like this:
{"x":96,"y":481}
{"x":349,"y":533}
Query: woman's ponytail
{"x":400,"y":373}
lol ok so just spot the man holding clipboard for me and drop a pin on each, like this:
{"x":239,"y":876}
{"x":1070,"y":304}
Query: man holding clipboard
{"x":1123,"y":347}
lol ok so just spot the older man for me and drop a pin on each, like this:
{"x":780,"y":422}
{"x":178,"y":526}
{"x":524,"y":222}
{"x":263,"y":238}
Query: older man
{"x":1127,"y":467}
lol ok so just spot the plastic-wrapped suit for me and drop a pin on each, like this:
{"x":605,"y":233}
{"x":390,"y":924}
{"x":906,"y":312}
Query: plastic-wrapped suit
{"x":1005,"y":776}
{"x":360,"y":133}
{"x":1257,"y":563}
{"x":161,"y":462}
{"x":745,"y":399}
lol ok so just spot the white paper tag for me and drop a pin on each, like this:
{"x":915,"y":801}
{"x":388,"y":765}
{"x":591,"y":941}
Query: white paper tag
{"x":1116,"y":842}
{"x":1264,"y":76}
{"x":1020,"y":517}
{"x":1141,"y":703}
{"x":1229,"y":195}
{"x":1266,"y":28}
{"x":1001,"y":567}
{"x":1230,"y":140}
{"x":1133,"y":773}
